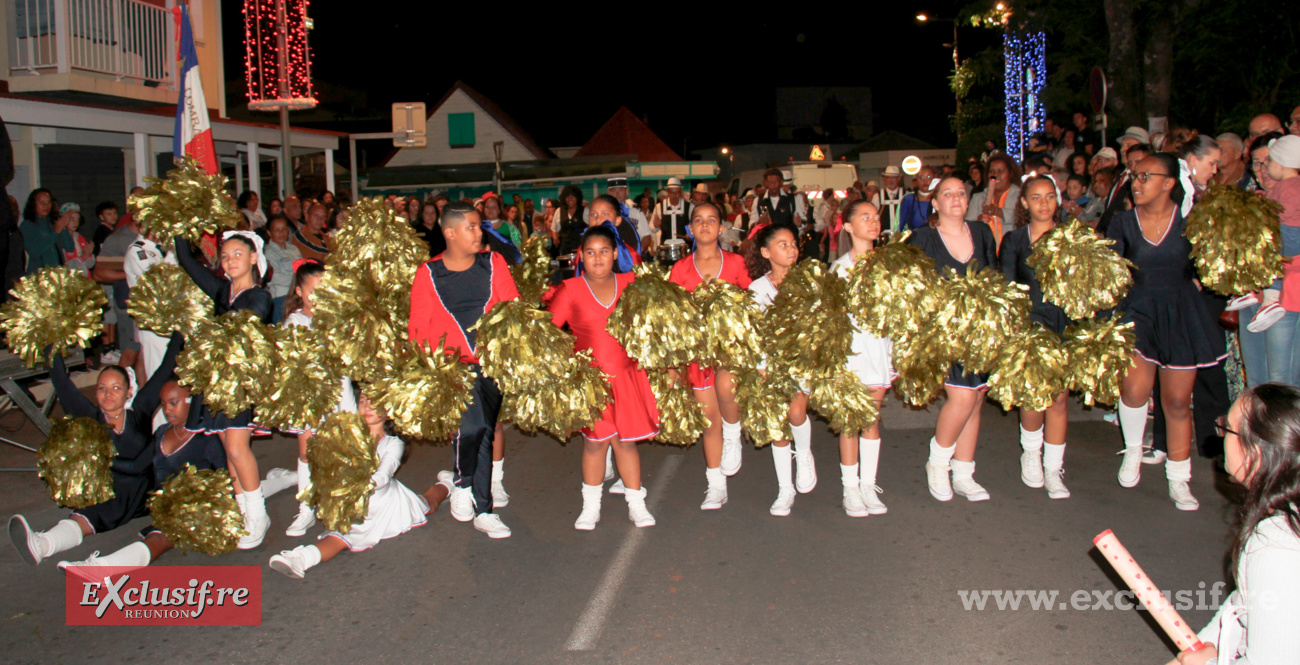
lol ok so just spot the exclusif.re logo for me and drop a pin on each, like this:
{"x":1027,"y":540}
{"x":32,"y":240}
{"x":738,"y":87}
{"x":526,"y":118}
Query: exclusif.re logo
{"x":180,"y":595}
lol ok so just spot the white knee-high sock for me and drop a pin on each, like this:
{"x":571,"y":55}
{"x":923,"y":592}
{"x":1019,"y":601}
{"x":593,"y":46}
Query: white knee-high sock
{"x":802,"y":435}
{"x":1053,"y":455}
{"x":1176,"y":471}
{"x":1133,"y":424}
{"x":783,"y":458}
{"x":716,"y":478}
{"x":1032,"y":440}
{"x":849,"y":475}
{"x":730,"y":431}
{"x":135,"y":554}
{"x":62,"y":536}
{"x":254,"y":504}
{"x":940,"y":457}
{"x":243,"y":503}
{"x":310,"y":556}
{"x":304,"y":481}
{"x":499,"y":469}
{"x":868,"y":459}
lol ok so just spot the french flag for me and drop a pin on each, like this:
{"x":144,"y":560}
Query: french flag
{"x":193,"y":135}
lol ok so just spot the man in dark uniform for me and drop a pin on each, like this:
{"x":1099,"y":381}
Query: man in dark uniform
{"x":672,"y":215}
{"x":776,"y":205}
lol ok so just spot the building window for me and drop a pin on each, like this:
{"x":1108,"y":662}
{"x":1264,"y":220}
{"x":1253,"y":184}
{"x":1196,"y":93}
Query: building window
{"x":460,"y":130}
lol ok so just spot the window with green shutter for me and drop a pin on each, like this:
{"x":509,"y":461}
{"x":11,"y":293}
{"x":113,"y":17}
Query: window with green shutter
{"x":460,"y":130}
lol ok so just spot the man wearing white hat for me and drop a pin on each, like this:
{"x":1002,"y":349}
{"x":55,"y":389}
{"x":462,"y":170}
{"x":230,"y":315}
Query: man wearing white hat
{"x":672,"y":215}
{"x":1131,"y":137}
{"x":700,"y":194}
{"x":890,"y":198}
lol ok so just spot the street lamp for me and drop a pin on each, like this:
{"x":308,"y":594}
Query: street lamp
{"x":731,"y":161}
{"x":956,"y":63}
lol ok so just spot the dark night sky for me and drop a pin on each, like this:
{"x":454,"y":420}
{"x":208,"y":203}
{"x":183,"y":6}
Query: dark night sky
{"x":703,"y":78}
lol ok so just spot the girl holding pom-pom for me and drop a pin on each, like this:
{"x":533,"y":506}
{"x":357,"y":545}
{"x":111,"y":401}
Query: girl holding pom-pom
{"x":245,"y":265}
{"x":393,"y":509}
{"x":774,"y":251}
{"x":1042,"y":433}
{"x":585,"y":303}
{"x":714,"y":388}
{"x":872,"y":361}
{"x":956,"y":244}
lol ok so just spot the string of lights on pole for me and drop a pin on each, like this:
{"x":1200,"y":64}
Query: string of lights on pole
{"x":1024,"y":77}
{"x":277,"y":59}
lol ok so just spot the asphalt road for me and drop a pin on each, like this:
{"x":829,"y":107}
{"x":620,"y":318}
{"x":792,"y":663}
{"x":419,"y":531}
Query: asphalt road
{"x":729,"y":586}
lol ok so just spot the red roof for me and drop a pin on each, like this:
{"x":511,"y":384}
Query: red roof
{"x":626,"y":134}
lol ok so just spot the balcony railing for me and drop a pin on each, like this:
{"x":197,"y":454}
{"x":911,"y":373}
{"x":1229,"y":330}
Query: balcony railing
{"x":126,"y":39}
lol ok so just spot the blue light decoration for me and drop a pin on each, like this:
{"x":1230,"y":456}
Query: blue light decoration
{"x":1024,"y":75}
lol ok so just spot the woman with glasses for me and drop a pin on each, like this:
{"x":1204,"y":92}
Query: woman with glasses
{"x":1174,"y":329}
{"x":1262,"y":452}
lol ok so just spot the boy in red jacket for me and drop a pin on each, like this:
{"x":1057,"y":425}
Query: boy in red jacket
{"x":450,"y":293}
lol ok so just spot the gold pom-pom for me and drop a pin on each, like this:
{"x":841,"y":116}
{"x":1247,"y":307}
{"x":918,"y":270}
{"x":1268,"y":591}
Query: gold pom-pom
{"x":56,"y":307}
{"x":342,"y":459}
{"x":681,"y":420}
{"x":845,"y":402}
{"x":1030,"y":370}
{"x":1079,"y":272}
{"x":807,"y":328}
{"x":307,"y":385}
{"x":1236,"y":240}
{"x":922,"y":362}
{"x":656,"y":321}
{"x":426,"y":392}
{"x":231,"y":361}
{"x":981,"y":311}
{"x":764,"y":401}
{"x":379,"y":243}
{"x":365,"y":320}
{"x":197,"y":511}
{"x":165,"y":299}
{"x":893,"y":290}
{"x":1101,"y":354}
{"x":189,"y":202}
{"x":732,"y":325}
{"x":75,"y":462}
{"x":533,"y":274}
{"x":546,"y":384}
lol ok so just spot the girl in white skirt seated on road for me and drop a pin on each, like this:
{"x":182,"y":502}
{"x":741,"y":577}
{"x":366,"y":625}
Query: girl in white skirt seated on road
{"x":394,"y":509}
{"x":872,"y":361}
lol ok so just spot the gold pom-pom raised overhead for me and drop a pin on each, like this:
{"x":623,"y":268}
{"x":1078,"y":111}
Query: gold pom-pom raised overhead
{"x":980,"y":312}
{"x":197,"y":511}
{"x":1079,"y":272}
{"x":1101,"y":354}
{"x":533,"y":274}
{"x":893,"y":290}
{"x":55,"y":307}
{"x":76,"y":461}
{"x":546,"y":384}
{"x":1030,"y":370}
{"x":377,"y":242}
{"x":1236,"y":240}
{"x":231,"y":361}
{"x":426,"y":392}
{"x":681,"y":419}
{"x":365,"y":320}
{"x":807,"y":328}
{"x":342,"y":460}
{"x":308,"y":384}
{"x":656,"y":321}
{"x":165,"y":299}
{"x":845,"y":402}
{"x":732,"y":324}
{"x":189,"y":202}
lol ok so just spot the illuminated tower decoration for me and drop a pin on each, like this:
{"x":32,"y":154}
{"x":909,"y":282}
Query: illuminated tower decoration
{"x":1024,"y":76}
{"x":277,"y":63}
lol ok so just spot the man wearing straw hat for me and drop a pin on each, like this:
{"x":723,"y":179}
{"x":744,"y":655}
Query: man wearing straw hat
{"x":890,"y":198}
{"x":672,"y":215}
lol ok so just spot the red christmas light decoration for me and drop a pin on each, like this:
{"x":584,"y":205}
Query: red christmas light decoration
{"x":277,"y":59}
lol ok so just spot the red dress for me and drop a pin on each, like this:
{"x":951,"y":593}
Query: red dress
{"x":631,"y":414}
{"x":686,"y":275}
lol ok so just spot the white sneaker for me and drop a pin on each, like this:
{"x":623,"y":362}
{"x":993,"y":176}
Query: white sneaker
{"x":871,"y":499}
{"x":853,"y":505}
{"x":1266,"y":317}
{"x":1152,"y":456}
{"x":714,"y":498}
{"x":499,"y":497}
{"x":1031,"y":468}
{"x":462,"y":504}
{"x":256,"y":528}
{"x":1130,"y":469}
{"x":29,"y":543}
{"x":784,"y":502}
{"x":491,"y":524}
{"x":636,"y":509}
{"x":290,"y":563}
{"x":731,"y":457}
{"x":1241,"y":302}
{"x":805,"y":472}
{"x":92,"y":560}
{"x":110,"y":358}
{"x":1182,"y":495}
{"x":304,"y":520}
{"x":970,"y":489}
{"x":939,"y":481}
{"x":1055,"y":481}
{"x":618,"y":487}
{"x":588,"y":518}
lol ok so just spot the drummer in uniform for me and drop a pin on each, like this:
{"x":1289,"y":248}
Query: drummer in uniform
{"x":672,"y":215}
{"x":777,"y":205}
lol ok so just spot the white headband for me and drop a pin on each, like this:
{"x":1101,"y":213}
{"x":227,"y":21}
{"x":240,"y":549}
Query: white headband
{"x":1033,"y":174}
{"x":257,"y":247}
{"x":1189,"y":190}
